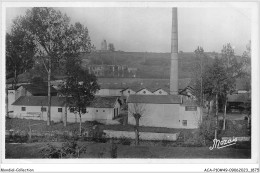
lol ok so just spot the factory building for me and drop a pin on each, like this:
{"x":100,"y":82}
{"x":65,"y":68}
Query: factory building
{"x":173,"y":110}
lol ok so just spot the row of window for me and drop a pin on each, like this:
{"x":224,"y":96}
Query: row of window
{"x":43,"y":109}
{"x":72,"y":110}
{"x":144,"y":92}
{"x":83,"y":110}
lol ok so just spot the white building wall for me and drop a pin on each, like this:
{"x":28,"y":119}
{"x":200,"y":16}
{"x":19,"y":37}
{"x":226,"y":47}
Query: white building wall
{"x":157,"y":115}
{"x":128,"y":92}
{"x":109,"y":92}
{"x":144,"y":92}
{"x":160,"y":92}
{"x":21,"y":91}
{"x":166,"y":115}
{"x":11,"y":99}
{"x":34,"y":112}
{"x":104,"y":115}
{"x":193,"y":117}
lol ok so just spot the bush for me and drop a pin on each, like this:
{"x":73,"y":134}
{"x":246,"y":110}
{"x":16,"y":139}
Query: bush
{"x":17,"y":138}
{"x":207,"y":129}
{"x":69,"y":149}
{"x":165,"y":143}
{"x":125,"y":141}
{"x":51,"y":151}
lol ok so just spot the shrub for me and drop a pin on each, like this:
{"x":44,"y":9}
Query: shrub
{"x":19,"y":138}
{"x":113,"y":150}
{"x":125,"y":141}
{"x":207,"y":129}
{"x":69,"y":149}
{"x":164,"y":143}
{"x":51,"y":151}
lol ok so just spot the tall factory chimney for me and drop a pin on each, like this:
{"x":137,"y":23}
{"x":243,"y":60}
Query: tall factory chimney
{"x":174,"y":54}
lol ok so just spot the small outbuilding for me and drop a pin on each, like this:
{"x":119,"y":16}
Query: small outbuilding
{"x":171,"y":111}
{"x":101,"y":109}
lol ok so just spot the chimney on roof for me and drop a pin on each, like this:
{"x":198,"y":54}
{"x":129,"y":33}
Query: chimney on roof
{"x":174,"y":54}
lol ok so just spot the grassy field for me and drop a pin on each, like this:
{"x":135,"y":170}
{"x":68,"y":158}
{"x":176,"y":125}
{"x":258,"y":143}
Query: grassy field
{"x":22,"y":125}
{"x":102,"y":150}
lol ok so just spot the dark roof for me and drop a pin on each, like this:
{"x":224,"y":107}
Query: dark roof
{"x":137,"y":84}
{"x":155,"y":99}
{"x":103,"y":102}
{"x":98,"y":102}
{"x":112,"y":85}
{"x":39,"y":101}
{"x":243,"y":97}
{"x":39,"y":90}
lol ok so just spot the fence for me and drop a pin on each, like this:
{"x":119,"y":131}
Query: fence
{"x":142,"y":135}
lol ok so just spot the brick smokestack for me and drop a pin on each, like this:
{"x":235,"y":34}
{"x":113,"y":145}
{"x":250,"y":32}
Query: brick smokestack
{"x":174,"y":54}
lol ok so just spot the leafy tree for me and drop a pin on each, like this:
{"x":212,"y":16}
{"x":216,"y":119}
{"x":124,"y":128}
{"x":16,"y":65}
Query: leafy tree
{"x":233,"y":70}
{"x":198,"y":75}
{"x":54,"y":37}
{"x":20,"y":51}
{"x":79,"y":87}
{"x":137,"y":111}
{"x":246,"y":59}
{"x":37,"y":80}
{"x":213,"y":85}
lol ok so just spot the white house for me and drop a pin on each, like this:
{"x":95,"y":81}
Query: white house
{"x":127,"y":91}
{"x":160,"y":91}
{"x":109,"y":92}
{"x":28,"y":90}
{"x":144,"y":91}
{"x":12,"y":96}
{"x":171,"y":111}
{"x":102,"y":109}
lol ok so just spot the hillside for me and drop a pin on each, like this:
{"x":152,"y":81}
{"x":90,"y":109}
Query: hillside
{"x":149,"y":65}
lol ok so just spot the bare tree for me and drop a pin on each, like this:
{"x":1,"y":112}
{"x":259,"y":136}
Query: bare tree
{"x":137,"y":111}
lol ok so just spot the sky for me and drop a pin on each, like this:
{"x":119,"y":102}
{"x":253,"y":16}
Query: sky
{"x":148,"y":29}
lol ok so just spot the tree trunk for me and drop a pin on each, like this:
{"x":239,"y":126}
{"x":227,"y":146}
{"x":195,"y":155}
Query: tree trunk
{"x":216,"y":116}
{"x":225,"y":114}
{"x":137,"y":132}
{"x":15,"y":79}
{"x":65,"y":116}
{"x":208,"y":108}
{"x":6,"y":101}
{"x":49,"y":97}
{"x":80,"y":123}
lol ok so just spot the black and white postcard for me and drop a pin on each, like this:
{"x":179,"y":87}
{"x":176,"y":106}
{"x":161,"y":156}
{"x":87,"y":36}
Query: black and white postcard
{"x":130,"y":86}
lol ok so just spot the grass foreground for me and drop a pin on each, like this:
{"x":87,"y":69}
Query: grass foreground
{"x":102,"y":150}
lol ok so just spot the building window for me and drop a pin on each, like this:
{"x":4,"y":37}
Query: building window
{"x":103,"y":110}
{"x":23,"y":108}
{"x":72,"y":110}
{"x":184,"y":122}
{"x":84,"y":111}
{"x":129,"y":91}
{"x":43,"y":109}
{"x":96,"y":110}
{"x":144,"y":92}
{"x":160,"y":92}
{"x":59,"y":109}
